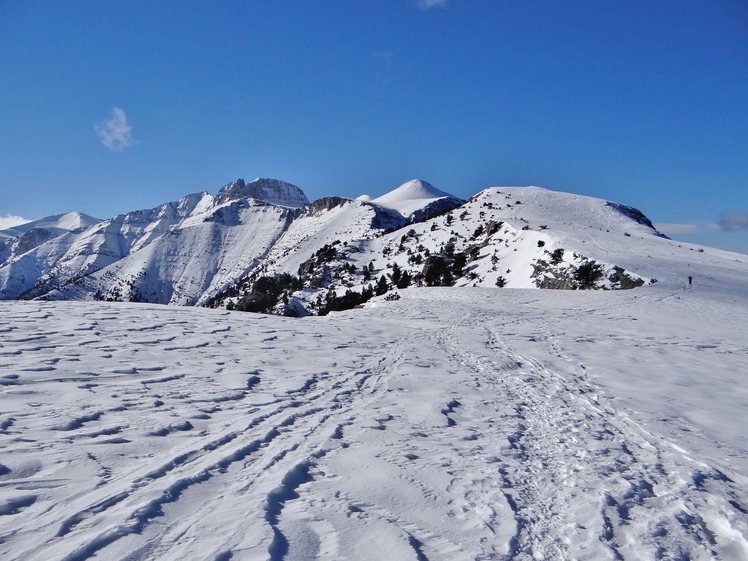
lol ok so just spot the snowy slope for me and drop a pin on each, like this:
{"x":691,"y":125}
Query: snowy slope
{"x":195,"y":258}
{"x":173,"y":253}
{"x":351,"y":221}
{"x":16,"y":241}
{"x":187,"y":251}
{"x":452,"y":424}
{"x":603,"y":230}
{"x":76,"y":254}
{"x":507,"y":231}
{"x":516,"y":237}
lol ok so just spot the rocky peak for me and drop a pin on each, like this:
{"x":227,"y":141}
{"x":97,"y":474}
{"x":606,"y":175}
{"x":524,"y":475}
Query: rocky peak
{"x":271,"y":191}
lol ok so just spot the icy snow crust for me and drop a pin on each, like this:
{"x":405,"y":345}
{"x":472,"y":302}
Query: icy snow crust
{"x":452,"y":424}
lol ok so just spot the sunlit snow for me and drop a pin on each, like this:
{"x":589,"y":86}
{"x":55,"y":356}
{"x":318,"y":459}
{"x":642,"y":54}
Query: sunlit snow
{"x":451,"y":424}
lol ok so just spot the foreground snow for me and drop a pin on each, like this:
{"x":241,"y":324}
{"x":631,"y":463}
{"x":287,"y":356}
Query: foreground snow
{"x":450,"y":424}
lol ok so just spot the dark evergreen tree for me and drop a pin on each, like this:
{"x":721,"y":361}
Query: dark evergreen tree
{"x":436,"y":272}
{"x":266,"y":293}
{"x":396,"y":273}
{"x":458,"y":263}
{"x":404,"y":281}
{"x":588,"y":274}
{"x":557,"y":256}
{"x":382,"y":286}
{"x":368,"y":292}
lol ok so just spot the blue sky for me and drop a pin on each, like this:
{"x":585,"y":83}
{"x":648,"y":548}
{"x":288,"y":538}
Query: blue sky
{"x":114,"y":106}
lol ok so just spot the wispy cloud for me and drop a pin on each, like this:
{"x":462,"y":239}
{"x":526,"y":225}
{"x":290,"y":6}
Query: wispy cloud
{"x":731,"y":220}
{"x":8,"y":221}
{"x":115,"y":133}
{"x":688,"y":228}
{"x":384,"y":65}
{"x":384,"y":56}
{"x":428,"y":4}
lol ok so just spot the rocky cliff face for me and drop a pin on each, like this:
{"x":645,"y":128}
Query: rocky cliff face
{"x":271,"y":191}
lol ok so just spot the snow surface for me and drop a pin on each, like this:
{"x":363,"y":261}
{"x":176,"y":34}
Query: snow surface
{"x":451,"y":424}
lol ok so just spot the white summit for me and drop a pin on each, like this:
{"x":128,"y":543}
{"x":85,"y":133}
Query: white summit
{"x":412,"y":196}
{"x":68,"y":222}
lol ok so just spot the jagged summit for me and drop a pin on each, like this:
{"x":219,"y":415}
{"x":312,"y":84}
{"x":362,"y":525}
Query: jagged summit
{"x":271,"y":191}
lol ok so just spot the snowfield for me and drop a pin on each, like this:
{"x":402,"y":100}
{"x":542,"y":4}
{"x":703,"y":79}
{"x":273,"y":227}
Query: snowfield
{"x":451,"y":424}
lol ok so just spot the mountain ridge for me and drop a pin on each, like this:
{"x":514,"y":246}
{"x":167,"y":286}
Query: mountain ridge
{"x":212,"y":250}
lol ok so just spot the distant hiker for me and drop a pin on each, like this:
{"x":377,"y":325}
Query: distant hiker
{"x":690,"y":280}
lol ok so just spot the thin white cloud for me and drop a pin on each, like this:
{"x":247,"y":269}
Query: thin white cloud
{"x":428,"y":4}
{"x":732,"y":220}
{"x":9,"y":220}
{"x":385,"y":56}
{"x":690,"y":228}
{"x":115,"y":133}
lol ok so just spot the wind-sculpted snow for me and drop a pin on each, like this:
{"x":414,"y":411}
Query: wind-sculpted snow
{"x":451,"y":424}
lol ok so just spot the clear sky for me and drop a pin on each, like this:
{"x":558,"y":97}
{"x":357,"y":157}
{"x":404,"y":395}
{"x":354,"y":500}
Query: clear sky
{"x":112,"y":106}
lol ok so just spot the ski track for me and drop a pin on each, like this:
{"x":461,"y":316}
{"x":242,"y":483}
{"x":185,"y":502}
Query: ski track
{"x":153,"y":433}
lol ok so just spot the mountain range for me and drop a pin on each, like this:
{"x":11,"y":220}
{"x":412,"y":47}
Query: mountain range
{"x":336,"y":252}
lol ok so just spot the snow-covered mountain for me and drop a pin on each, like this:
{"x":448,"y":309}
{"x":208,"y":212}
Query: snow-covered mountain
{"x":23,"y":238}
{"x":69,"y":221}
{"x":338,"y":252}
{"x":417,"y":200}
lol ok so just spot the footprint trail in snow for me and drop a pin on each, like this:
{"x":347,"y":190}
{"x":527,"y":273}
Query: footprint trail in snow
{"x":441,"y":426}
